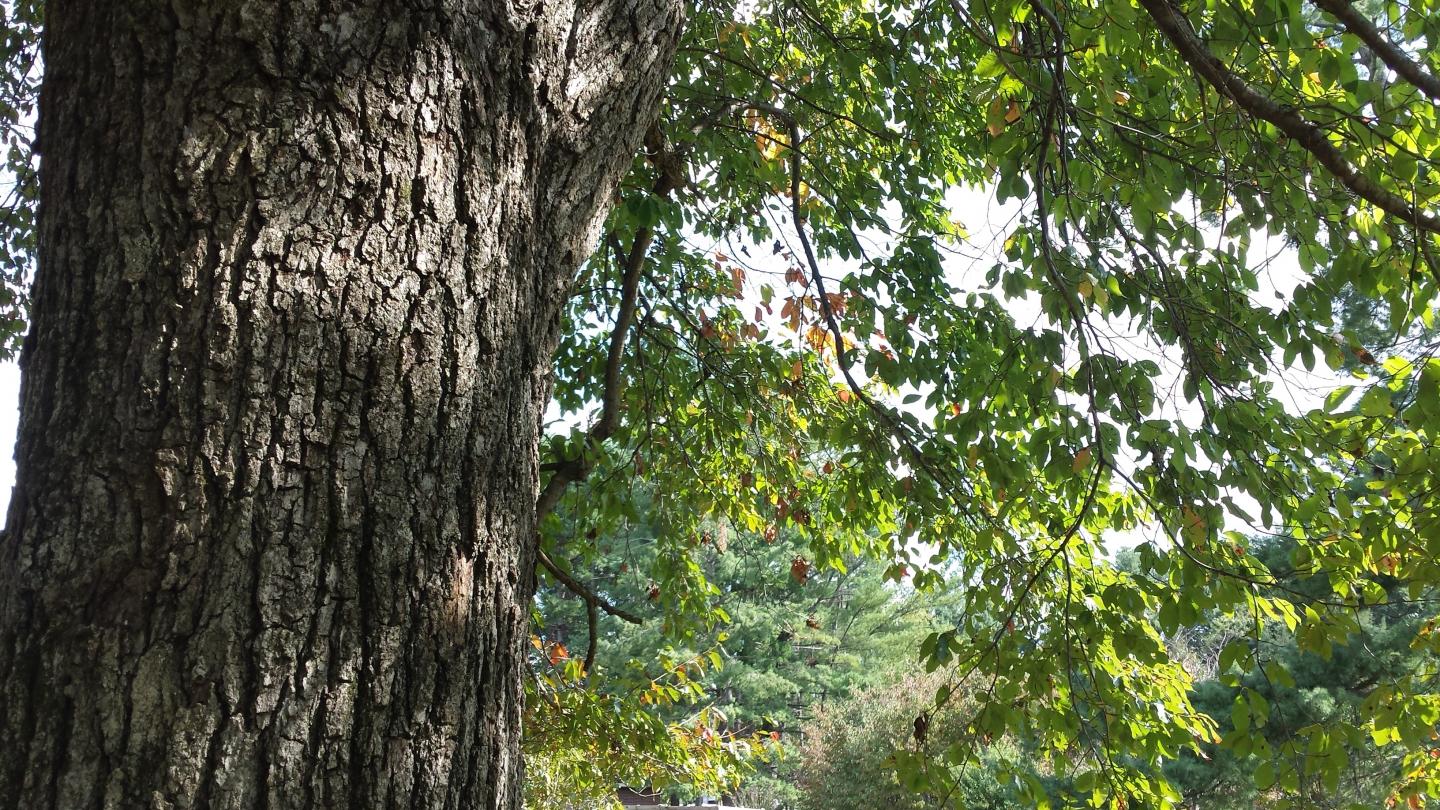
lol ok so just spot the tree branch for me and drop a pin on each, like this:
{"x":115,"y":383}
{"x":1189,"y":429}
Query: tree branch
{"x":894,"y":426}
{"x":594,"y":602}
{"x":566,"y":472}
{"x":1407,"y":68}
{"x":1196,"y":53}
{"x":570,"y":471}
{"x":670,"y":166}
{"x":585,"y":593}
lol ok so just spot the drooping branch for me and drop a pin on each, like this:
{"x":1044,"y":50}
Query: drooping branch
{"x":1196,"y":53}
{"x":594,"y":603}
{"x":572,"y":470}
{"x":585,"y":593}
{"x":671,"y":177}
{"x":1390,"y":53}
{"x":893,"y":426}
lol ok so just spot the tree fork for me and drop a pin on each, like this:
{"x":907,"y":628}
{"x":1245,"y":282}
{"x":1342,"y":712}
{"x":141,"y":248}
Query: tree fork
{"x":299,"y":279}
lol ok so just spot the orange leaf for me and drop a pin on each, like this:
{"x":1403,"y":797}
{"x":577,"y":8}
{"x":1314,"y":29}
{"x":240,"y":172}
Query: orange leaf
{"x":818,"y":338}
{"x":799,"y":570}
{"x":1082,"y":459}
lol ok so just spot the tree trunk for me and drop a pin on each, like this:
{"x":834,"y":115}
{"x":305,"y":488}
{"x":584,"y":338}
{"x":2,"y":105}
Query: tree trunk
{"x":300,"y":276}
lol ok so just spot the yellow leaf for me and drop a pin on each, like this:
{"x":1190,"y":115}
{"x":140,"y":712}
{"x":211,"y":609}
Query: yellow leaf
{"x":995,"y":117}
{"x":1085,"y":288}
{"x":1195,"y":527}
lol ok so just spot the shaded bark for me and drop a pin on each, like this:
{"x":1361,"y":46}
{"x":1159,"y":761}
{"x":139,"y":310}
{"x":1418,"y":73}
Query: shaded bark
{"x":300,"y":275}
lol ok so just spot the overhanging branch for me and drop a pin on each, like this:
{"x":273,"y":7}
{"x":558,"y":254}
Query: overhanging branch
{"x":844,"y":360}
{"x":1196,"y":53}
{"x":594,"y":603}
{"x":572,"y":470}
{"x":1389,"y":53}
{"x":566,"y":472}
{"x":576,"y":587}
{"x":671,"y":177}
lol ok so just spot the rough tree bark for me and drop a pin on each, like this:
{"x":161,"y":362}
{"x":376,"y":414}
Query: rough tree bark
{"x":300,"y":273}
